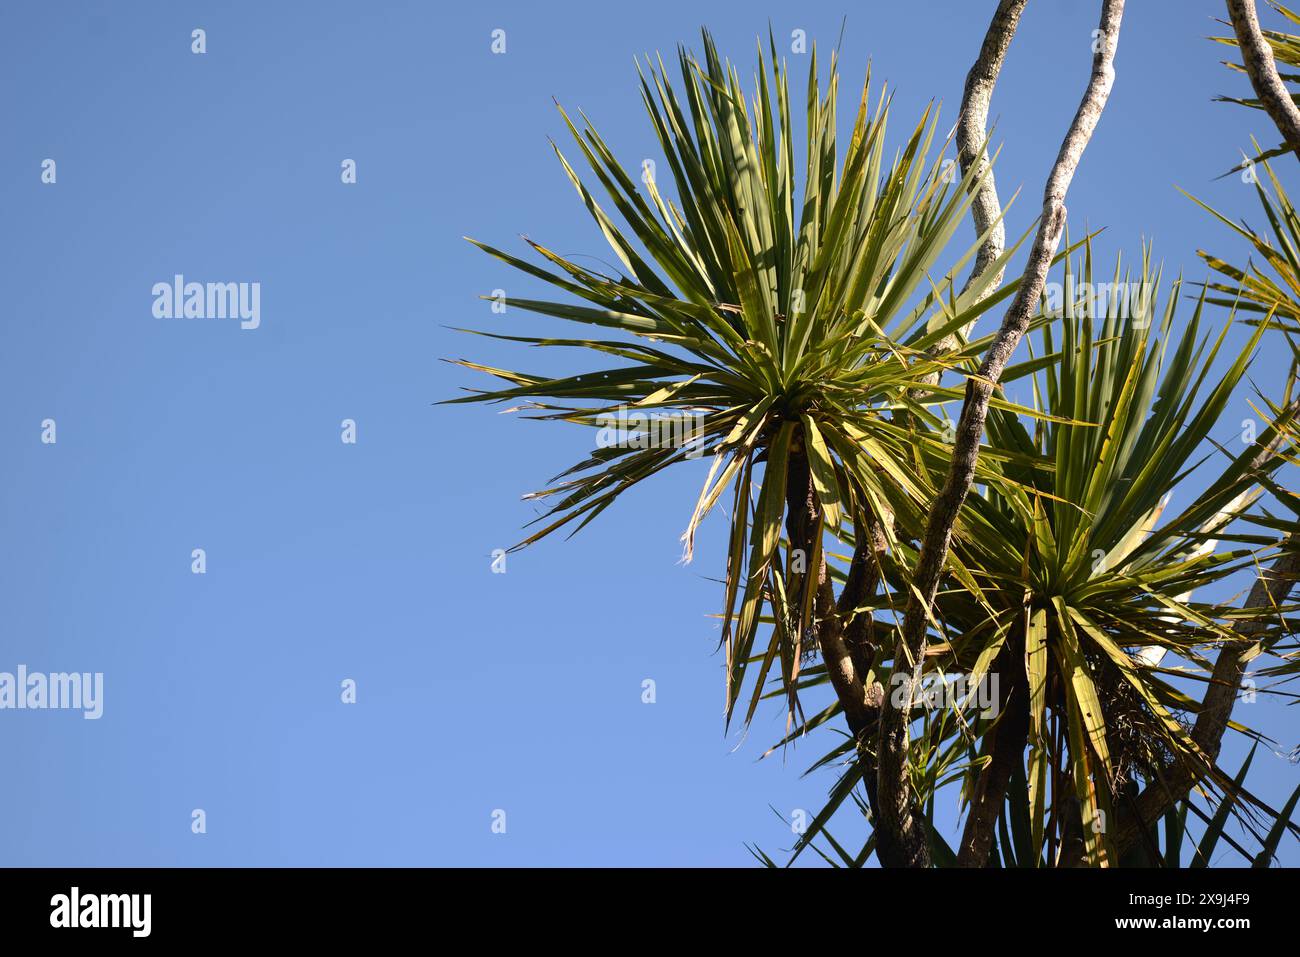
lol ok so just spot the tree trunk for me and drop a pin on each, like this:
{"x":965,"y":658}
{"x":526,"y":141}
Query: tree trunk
{"x":1007,"y":750}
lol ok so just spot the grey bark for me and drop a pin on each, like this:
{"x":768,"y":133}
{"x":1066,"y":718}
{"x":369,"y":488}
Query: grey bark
{"x":1257,"y":57}
{"x":972,"y":130}
{"x":972,"y":153}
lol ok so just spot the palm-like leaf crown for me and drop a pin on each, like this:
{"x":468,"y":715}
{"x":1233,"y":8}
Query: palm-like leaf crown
{"x":1071,"y":583}
{"x":1078,"y":568}
{"x":787,"y":329}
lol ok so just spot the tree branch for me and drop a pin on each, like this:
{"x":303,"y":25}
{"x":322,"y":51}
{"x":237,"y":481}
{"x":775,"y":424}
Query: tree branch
{"x":1257,"y":57}
{"x":899,"y":828}
{"x":972,"y":131}
{"x":862,"y":581}
{"x":803,"y":526}
{"x":973,"y":154}
{"x":859,"y":700}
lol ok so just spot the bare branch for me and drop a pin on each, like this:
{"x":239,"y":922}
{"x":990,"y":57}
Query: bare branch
{"x":972,"y":132}
{"x":973,"y":153}
{"x":1257,"y":56}
{"x":901,"y":838}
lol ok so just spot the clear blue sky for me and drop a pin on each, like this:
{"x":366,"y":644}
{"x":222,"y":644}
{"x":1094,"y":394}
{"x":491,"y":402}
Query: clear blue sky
{"x":371,"y":561}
